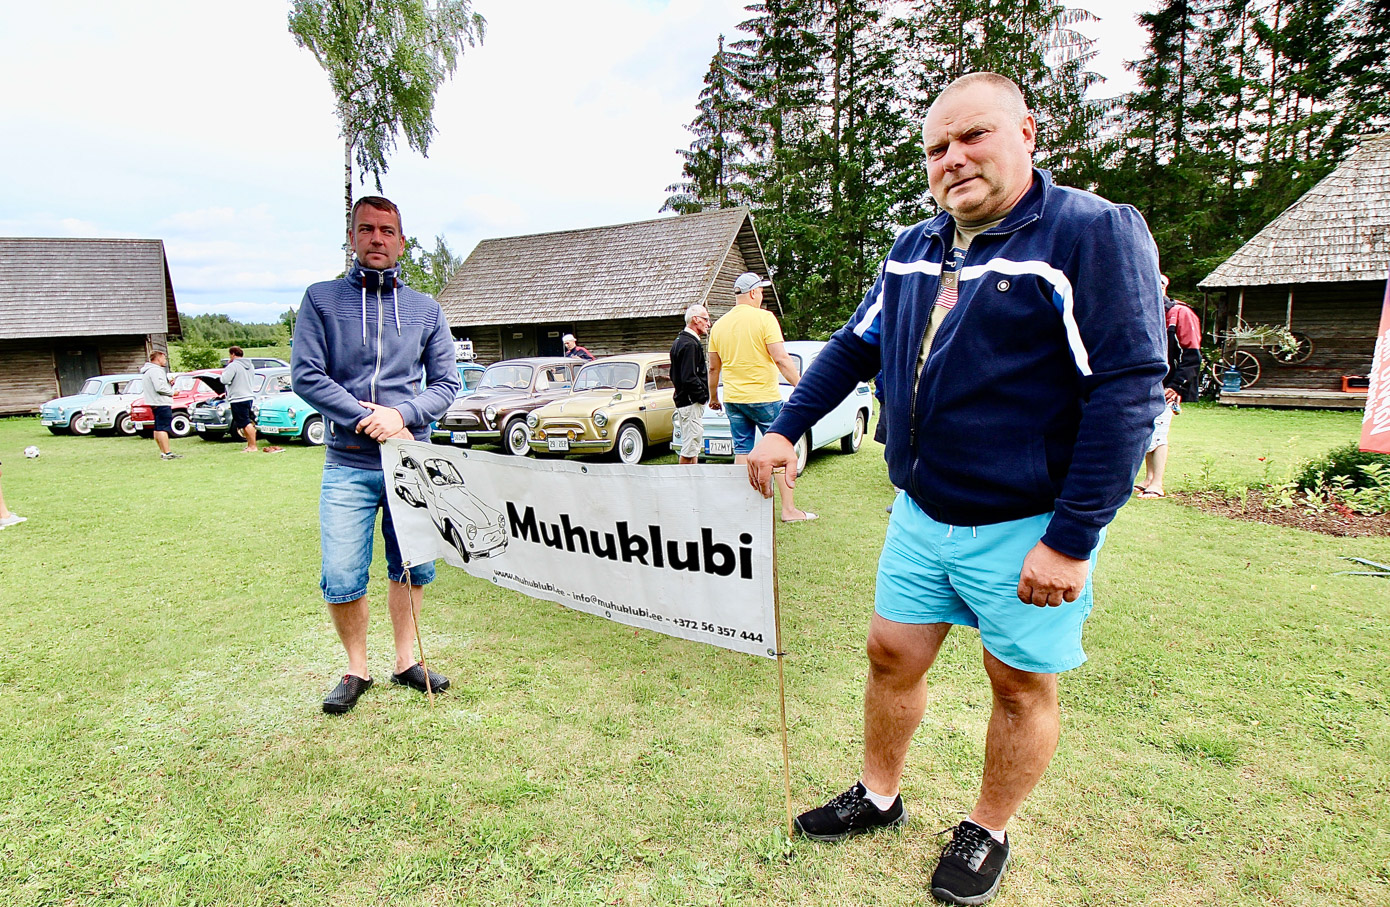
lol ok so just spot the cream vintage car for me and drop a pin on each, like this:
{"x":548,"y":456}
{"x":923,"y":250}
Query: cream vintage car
{"x":620,"y":404}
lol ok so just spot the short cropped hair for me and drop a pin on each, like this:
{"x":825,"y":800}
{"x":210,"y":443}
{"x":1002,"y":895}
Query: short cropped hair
{"x":696,"y":311}
{"x":236,"y":351}
{"x":1006,"y":88}
{"x":381,"y":204}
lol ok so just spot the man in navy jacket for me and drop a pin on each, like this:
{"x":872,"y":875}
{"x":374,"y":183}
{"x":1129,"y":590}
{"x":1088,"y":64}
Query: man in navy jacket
{"x":377,"y":360}
{"x":1021,"y":341}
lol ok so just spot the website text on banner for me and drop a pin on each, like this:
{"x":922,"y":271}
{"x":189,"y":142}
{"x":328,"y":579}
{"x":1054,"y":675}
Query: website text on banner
{"x":1375,"y":427}
{"x":680,"y":550}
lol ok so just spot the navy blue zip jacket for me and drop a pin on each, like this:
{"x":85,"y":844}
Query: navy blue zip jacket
{"x":368,"y":336}
{"x":1043,"y":382}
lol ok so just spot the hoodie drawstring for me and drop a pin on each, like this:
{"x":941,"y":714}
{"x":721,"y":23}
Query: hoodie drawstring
{"x":396,"y":307}
{"x":364,"y":313}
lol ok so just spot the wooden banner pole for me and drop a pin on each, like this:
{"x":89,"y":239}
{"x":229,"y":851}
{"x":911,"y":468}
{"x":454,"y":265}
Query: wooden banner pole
{"x":781,"y":682}
{"x":424,"y":666}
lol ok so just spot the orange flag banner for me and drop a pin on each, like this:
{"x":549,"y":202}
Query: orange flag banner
{"x":1375,"y":427}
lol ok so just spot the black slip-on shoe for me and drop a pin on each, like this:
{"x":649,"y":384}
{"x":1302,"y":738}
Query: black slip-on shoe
{"x":971,"y":866}
{"x":346,"y":694}
{"x":414,"y":677}
{"x":849,"y":814}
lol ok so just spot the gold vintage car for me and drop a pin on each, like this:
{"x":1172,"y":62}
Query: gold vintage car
{"x":619,"y":403}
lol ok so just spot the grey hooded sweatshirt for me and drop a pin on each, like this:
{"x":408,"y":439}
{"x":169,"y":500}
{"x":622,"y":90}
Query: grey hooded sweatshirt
{"x":368,"y":336}
{"x":158,"y":390}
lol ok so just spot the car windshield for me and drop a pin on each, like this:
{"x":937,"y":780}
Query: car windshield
{"x":615,"y":375}
{"x":513,"y":376}
{"x":91,"y":386}
{"x":134,"y":386}
{"x":471,"y":377}
{"x":442,"y":472}
{"x":190,"y":382}
{"x":280,"y":384}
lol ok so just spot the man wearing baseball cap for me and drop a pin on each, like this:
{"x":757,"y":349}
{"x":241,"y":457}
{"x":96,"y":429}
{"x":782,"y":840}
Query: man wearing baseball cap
{"x":573,"y":350}
{"x":746,"y":349}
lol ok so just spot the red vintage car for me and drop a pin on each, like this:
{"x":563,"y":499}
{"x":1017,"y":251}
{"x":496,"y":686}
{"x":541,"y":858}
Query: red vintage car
{"x":189,"y":390}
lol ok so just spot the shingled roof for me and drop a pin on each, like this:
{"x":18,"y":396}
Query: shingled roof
{"x":86,"y":288}
{"x":639,"y":270}
{"x":1338,"y":231}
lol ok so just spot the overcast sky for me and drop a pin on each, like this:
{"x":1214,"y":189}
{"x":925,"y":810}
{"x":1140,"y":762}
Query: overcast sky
{"x":202,"y":124}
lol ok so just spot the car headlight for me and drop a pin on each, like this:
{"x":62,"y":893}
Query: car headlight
{"x":291,"y":413}
{"x":533,"y":420}
{"x":472,"y":532}
{"x":600,"y":418}
{"x":490,"y":413}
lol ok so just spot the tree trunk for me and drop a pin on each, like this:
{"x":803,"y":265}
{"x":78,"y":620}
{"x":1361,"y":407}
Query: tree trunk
{"x":347,"y":205}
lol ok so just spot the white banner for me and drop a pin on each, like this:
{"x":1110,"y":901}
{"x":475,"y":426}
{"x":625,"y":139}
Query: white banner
{"x":680,"y":550}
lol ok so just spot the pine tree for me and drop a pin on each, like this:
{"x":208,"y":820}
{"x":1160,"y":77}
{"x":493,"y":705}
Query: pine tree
{"x":713,"y":160}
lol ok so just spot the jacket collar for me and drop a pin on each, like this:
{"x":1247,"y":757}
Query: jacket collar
{"x":366,"y":278}
{"x":1029,"y":209}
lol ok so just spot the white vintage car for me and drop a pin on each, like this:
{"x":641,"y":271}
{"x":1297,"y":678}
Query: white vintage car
{"x":472,"y":527}
{"x":846,"y":423}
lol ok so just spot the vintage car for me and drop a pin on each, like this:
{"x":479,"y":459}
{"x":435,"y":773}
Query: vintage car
{"x":63,"y":415}
{"x":620,"y":404}
{"x":472,"y":527}
{"x":470,"y":375}
{"x":288,"y":415}
{"x":212,"y":419}
{"x":260,"y":362}
{"x":496,"y":411}
{"x":111,"y":414}
{"x":189,"y":391}
{"x":846,"y":423}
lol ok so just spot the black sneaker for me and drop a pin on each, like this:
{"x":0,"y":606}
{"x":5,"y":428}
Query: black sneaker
{"x":414,"y":677}
{"x":850,"y":813}
{"x":345,"y":694}
{"x":971,"y":866}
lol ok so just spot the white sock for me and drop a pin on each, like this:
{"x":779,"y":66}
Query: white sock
{"x":996,"y":835}
{"x":883,"y":803}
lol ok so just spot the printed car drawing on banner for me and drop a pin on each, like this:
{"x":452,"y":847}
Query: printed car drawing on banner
{"x":473,"y":528}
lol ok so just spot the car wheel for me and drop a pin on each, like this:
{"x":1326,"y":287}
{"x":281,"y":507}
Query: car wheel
{"x":850,"y":442}
{"x":124,"y":426}
{"x":456,"y":540}
{"x":80,"y":425}
{"x":631,"y":444}
{"x":516,"y":438}
{"x":180,"y":426}
{"x":313,"y":431}
{"x":802,"y":449}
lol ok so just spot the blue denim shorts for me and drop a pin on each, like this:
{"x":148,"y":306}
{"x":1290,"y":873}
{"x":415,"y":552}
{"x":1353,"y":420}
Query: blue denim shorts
{"x":348,"y":505}
{"x":931,"y":573}
{"x":163,"y":418}
{"x":746,"y":419}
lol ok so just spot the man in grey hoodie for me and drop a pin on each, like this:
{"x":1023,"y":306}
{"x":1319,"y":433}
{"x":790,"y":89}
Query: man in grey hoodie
{"x":159,"y":396}
{"x":377,"y":360}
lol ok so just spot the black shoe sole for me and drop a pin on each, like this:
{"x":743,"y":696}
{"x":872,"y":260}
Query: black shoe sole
{"x":836,"y":839}
{"x":941,"y":894}
{"x":338,"y":708}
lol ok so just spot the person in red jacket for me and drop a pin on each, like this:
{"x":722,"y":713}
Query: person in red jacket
{"x":1184,"y":370}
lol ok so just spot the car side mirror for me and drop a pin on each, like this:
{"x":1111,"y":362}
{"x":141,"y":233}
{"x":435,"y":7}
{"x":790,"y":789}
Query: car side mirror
{"x":616,"y":397}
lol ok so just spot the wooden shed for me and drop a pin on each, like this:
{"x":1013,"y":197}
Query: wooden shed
{"x":1318,"y":269}
{"x":81,"y":307}
{"x":618,"y":289}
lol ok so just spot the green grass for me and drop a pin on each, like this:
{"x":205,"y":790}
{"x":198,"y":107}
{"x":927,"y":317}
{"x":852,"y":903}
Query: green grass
{"x":166,"y":648}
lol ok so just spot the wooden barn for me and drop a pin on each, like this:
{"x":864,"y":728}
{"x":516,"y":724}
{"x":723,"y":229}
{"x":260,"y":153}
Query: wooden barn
{"x":84,"y":307}
{"x":618,"y":289}
{"x":1319,"y":270}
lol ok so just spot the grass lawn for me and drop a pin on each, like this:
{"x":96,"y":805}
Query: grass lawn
{"x":166,"y":650}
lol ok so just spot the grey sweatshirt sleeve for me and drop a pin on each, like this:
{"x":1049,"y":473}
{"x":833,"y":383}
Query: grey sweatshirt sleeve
{"x":442,"y":382}
{"x":309,"y":370}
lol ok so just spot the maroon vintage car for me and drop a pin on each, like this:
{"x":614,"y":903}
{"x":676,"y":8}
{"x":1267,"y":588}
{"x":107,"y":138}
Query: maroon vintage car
{"x":496,"y":412}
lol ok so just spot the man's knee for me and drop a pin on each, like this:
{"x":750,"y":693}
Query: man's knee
{"x":1020,"y":692}
{"x":898,"y":656}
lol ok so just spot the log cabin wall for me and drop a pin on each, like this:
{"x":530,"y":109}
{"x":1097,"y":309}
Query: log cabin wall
{"x":1340,"y":318}
{"x":28,"y":369}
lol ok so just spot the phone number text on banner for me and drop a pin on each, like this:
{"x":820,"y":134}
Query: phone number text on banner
{"x":680,"y":550}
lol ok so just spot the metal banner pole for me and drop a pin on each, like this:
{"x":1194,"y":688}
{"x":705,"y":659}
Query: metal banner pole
{"x":781,"y":682}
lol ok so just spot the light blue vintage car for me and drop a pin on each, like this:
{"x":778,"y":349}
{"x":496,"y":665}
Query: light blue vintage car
{"x":846,"y":423}
{"x":288,"y":415}
{"x":64,"y":414}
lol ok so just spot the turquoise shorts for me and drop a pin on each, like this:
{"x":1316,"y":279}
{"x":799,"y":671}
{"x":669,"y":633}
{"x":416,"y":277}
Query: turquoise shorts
{"x":933,"y":573}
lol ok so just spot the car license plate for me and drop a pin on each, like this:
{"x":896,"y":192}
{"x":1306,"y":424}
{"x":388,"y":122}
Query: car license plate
{"x":558,"y":443}
{"x":721,"y":448}
{"x":48,"y":422}
{"x":198,"y":426}
{"x":458,"y":437}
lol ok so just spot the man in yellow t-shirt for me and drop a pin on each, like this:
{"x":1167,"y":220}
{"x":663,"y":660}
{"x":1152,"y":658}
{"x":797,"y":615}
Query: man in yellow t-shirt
{"x":746,"y":349}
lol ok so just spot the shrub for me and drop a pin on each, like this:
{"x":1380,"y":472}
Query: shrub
{"x":1345,"y":461}
{"x":187,"y":357}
